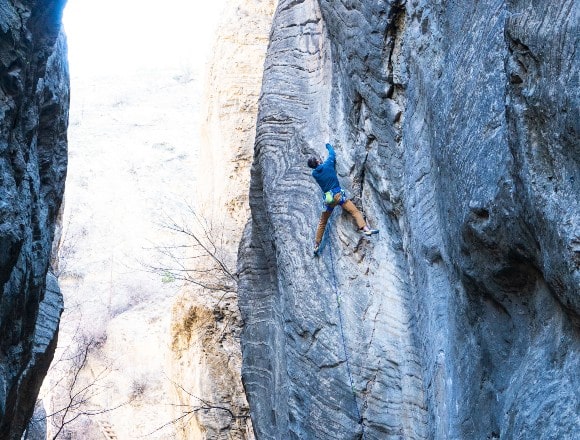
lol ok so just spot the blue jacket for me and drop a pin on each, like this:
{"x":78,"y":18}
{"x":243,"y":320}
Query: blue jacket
{"x":325,"y":173}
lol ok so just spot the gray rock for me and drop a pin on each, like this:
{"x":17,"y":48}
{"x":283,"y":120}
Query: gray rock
{"x":36,"y":429}
{"x":34,"y":116}
{"x":456,"y":128}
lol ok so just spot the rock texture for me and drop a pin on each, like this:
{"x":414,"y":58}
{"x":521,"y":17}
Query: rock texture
{"x":34,"y":112}
{"x":456,"y":128}
{"x":228,"y":126}
{"x":206,"y":323}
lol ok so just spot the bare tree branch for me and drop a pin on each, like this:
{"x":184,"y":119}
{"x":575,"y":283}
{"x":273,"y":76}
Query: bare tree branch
{"x":192,"y":410}
{"x":79,"y":396}
{"x":198,"y":258}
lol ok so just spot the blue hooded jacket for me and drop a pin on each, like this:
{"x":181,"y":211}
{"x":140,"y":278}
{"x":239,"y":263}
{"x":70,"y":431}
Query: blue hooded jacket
{"x":325,"y":173}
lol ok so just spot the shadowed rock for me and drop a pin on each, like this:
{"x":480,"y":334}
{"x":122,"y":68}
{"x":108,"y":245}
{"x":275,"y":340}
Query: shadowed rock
{"x":34,"y":116}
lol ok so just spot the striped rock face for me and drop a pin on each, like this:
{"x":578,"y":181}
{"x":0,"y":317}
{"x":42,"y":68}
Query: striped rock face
{"x":456,"y":131}
{"x":34,"y":93}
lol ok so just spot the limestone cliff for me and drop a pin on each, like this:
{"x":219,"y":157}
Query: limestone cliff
{"x":206,"y":358}
{"x":456,"y":129}
{"x":34,"y":95}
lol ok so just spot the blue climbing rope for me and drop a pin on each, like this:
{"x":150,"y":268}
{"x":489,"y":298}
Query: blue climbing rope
{"x":334,"y":282}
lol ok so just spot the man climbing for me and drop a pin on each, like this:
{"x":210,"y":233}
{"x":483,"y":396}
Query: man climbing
{"x":325,"y":175}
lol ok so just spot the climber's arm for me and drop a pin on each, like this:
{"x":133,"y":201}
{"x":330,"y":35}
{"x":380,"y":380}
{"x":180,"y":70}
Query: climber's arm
{"x":331,"y":155}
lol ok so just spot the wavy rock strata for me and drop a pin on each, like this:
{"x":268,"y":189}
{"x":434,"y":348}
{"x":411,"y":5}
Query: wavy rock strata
{"x":34,"y":94}
{"x":456,"y":126}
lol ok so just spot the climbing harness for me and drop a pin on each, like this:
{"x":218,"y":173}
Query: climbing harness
{"x":337,"y":293}
{"x":332,"y":198}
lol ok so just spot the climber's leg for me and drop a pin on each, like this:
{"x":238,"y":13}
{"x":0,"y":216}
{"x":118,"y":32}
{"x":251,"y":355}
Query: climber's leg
{"x":352,"y":210}
{"x":322,"y":226}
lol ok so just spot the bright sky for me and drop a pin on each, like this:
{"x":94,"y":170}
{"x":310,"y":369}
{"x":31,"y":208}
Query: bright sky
{"x":120,"y":35}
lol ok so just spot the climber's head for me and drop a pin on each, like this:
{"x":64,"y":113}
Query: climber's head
{"x":313,"y":162}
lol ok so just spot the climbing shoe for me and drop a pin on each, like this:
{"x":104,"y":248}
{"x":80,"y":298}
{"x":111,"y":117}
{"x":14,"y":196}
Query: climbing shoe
{"x":316,"y":248}
{"x":370,"y":232}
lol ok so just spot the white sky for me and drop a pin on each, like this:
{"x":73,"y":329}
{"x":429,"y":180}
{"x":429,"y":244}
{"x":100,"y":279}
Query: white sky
{"x":118,"y":35}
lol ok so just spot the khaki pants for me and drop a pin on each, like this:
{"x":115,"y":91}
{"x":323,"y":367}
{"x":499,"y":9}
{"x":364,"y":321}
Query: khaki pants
{"x":348,"y":206}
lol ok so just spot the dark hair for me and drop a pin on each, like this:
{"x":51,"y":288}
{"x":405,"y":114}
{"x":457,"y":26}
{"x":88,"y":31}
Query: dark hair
{"x":313,"y":162}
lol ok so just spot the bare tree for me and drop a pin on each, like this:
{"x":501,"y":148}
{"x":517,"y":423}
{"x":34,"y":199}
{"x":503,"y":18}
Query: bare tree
{"x":191,"y":410}
{"x":79,"y":393}
{"x":75,"y":391}
{"x":200,"y":255}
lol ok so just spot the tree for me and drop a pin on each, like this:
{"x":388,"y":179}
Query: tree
{"x":74,"y":391}
{"x":199,"y":255}
{"x":204,"y":405}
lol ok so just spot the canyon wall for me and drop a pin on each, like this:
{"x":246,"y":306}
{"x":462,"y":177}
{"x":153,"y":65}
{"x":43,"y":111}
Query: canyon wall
{"x":456,"y":130}
{"x":158,"y":360}
{"x":206,"y":323}
{"x":34,"y":92}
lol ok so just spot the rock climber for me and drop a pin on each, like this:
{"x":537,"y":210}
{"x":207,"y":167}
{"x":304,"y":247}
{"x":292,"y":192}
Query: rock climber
{"x":325,"y":175}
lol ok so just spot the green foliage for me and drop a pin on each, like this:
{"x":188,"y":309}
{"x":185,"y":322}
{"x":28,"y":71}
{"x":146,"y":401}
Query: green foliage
{"x":168,"y":277}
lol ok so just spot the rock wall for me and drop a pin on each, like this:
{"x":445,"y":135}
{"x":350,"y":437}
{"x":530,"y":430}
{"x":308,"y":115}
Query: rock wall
{"x":34,"y":112}
{"x":456,"y":129}
{"x":206,"y":323}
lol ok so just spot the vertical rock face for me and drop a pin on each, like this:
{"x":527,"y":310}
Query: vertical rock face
{"x":456,"y":129}
{"x":206,"y":323}
{"x":231,"y":99}
{"x":34,"y":113}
